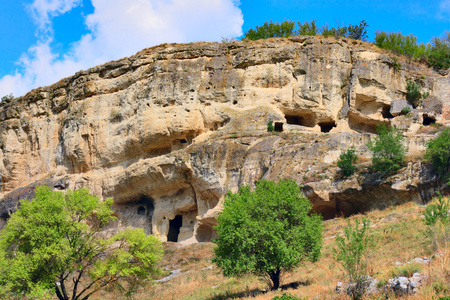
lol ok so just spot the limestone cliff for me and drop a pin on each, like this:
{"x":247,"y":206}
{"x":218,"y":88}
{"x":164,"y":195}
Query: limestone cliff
{"x":169,"y":130}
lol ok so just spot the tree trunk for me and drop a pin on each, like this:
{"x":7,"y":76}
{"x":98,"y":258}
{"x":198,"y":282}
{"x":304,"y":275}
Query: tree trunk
{"x":275,"y":278}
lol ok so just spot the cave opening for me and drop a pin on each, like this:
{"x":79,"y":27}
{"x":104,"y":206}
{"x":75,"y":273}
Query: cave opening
{"x":301,"y":118}
{"x":278,"y":126}
{"x":428,"y":120}
{"x":141,"y":211}
{"x":386,"y":112}
{"x":327,"y":126}
{"x":174,"y":228}
{"x":183,"y":141}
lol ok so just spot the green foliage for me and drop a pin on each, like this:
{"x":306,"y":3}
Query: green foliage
{"x":7,"y":98}
{"x":352,"y":252}
{"x":388,"y":150}
{"x":55,"y":238}
{"x":439,"y":56}
{"x":438,"y":152}
{"x":266,"y":231}
{"x":407,"y":270}
{"x":307,"y":28}
{"x":401,"y":44}
{"x":405,"y":110}
{"x":437,"y":218}
{"x":271,"y":30}
{"x":270,"y":127}
{"x":285,"y":296}
{"x":358,"y":32}
{"x":414,"y":92}
{"x":346,"y":161}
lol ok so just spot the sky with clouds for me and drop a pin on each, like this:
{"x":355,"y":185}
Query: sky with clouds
{"x":42,"y":41}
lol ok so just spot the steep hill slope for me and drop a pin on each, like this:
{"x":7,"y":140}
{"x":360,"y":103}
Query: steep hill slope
{"x":168,"y":131}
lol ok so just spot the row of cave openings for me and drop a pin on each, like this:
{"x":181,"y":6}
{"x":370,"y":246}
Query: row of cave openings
{"x":306,"y":119}
{"x":146,"y":208}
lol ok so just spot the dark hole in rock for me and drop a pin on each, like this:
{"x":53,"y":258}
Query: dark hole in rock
{"x":203,"y":234}
{"x":427,"y":120}
{"x":174,"y":228}
{"x":234,"y":102}
{"x":278,"y":126}
{"x":141,"y":211}
{"x":183,"y":141}
{"x":327,"y":126}
{"x":303,"y":119}
{"x":386,"y":112}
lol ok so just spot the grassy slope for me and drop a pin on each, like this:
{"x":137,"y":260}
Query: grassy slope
{"x":401,"y":237}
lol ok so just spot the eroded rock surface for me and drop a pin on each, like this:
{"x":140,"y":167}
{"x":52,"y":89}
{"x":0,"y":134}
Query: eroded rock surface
{"x":168,"y":131}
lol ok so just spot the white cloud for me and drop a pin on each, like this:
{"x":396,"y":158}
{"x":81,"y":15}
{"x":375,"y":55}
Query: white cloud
{"x":444,"y":9}
{"x":43,"y":11}
{"x":119,"y":28}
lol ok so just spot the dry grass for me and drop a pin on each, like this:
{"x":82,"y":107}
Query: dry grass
{"x":400,"y":233}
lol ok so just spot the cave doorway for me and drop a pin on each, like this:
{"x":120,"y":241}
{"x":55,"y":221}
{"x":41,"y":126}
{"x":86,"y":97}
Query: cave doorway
{"x":386,"y":112}
{"x":204,"y":234}
{"x":141,"y":211}
{"x":278,"y":127}
{"x":427,"y":120}
{"x":174,"y":228}
{"x":327,"y":126}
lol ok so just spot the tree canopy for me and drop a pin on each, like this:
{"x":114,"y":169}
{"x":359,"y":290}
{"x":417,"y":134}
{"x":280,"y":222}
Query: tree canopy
{"x":267,"y":231}
{"x":53,"y":244}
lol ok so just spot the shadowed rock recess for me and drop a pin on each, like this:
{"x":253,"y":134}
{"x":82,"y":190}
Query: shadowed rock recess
{"x":169,"y":130}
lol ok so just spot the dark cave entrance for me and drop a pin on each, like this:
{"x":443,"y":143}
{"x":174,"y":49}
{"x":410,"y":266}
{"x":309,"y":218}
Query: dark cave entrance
{"x":141,"y":211}
{"x":174,"y":228}
{"x":386,"y":112}
{"x":427,"y":120}
{"x":301,"y":118}
{"x":278,"y":127}
{"x":327,"y":126}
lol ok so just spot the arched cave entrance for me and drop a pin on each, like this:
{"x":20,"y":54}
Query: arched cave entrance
{"x":174,"y":228}
{"x":428,"y":120}
{"x":141,"y":211}
{"x":327,"y":126}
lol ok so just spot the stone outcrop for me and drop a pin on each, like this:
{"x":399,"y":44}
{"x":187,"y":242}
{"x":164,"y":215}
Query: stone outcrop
{"x":169,"y":130}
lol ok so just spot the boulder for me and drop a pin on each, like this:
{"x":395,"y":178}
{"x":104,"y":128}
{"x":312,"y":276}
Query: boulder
{"x":398,"y":105}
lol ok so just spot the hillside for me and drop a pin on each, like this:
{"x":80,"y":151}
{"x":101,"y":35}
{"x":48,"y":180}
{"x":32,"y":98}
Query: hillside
{"x":168,"y":131}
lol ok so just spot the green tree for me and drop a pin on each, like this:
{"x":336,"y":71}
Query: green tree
{"x":307,"y":28}
{"x":346,"y":161}
{"x":415,"y":93}
{"x":439,"y":56}
{"x":388,"y":150}
{"x":438,"y":152}
{"x":358,"y":32}
{"x":267,"y":231}
{"x":271,"y":30}
{"x":352,"y":252}
{"x":54,"y":244}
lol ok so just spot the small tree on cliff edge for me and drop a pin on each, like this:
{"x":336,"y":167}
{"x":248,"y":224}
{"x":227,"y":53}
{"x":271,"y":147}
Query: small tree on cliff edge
{"x":52,"y":244}
{"x":267,"y":231}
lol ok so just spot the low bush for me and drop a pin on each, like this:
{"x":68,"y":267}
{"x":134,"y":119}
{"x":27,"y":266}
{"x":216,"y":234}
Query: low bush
{"x":438,"y":153}
{"x":346,"y":161}
{"x":271,"y":30}
{"x":407,"y":270}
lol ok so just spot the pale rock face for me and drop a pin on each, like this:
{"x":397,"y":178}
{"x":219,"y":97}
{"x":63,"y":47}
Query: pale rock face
{"x":168,"y":131}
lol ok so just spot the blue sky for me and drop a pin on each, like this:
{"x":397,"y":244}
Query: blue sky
{"x":42,"y":41}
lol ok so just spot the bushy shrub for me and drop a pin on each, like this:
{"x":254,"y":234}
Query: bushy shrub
{"x":414,"y":92}
{"x":352,"y":252}
{"x":271,"y":30}
{"x":307,"y":28}
{"x":388,"y":150}
{"x":346,"y":161}
{"x":439,"y":56}
{"x":286,"y":296}
{"x":270,"y":126}
{"x":405,"y":110}
{"x":401,"y":44}
{"x":7,"y":98}
{"x":438,"y":152}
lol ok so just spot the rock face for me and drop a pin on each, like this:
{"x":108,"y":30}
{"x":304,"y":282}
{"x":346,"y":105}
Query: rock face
{"x":168,"y":131}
